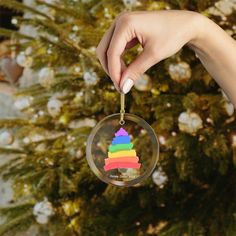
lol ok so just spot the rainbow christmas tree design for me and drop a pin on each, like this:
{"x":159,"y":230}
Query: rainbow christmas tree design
{"x":121,"y":154}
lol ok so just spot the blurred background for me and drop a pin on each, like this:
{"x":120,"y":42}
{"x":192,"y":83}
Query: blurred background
{"x":53,"y":92}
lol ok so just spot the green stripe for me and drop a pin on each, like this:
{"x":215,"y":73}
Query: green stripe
{"x":119,"y":147}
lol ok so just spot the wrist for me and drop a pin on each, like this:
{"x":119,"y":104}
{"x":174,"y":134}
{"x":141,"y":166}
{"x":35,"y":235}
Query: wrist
{"x":203,"y":28}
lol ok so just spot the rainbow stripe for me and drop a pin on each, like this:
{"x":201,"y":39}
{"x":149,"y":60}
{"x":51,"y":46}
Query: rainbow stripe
{"x":120,"y":153}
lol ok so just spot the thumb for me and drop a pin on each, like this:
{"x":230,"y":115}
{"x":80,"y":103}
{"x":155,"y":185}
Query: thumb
{"x":139,"y":66}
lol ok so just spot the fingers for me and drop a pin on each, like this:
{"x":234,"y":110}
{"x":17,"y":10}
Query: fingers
{"x":117,"y":46}
{"x":111,"y":48}
{"x":140,"y":65}
{"x":103,"y":46}
{"x":121,"y":36}
{"x":102,"y":52}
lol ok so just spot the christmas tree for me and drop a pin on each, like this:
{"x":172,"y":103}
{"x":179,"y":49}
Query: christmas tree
{"x":191,"y":192}
{"x":121,"y":154}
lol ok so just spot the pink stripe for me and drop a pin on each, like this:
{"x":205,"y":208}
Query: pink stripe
{"x":122,"y":165}
{"x":121,"y":159}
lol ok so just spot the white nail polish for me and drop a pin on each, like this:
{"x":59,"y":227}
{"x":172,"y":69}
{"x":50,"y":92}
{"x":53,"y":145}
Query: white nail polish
{"x":128,"y":84}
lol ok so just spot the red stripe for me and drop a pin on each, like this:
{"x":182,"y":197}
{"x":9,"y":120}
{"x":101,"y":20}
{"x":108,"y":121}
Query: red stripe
{"x":122,"y":165}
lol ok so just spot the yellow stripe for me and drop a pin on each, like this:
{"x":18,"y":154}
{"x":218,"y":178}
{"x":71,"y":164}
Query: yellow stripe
{"x":127,"y":153}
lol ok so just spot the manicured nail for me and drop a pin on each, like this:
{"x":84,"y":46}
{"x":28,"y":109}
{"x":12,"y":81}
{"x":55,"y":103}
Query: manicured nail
{"x":128,"y":84}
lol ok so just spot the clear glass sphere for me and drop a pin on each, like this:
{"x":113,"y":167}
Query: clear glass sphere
{"x":122,"y":155}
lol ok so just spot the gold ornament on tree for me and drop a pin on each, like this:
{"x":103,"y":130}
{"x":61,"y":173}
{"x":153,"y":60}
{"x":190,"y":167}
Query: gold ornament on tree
{"x":23,"y":60}
{"x":229,"y":107}
{"x":46,"y":77}
{"x":54,"y":107}
{"x":71,"y":207}
{"x":159,"y":177}
{"x":144,"y":83}
{"x":6,"y":138}
{"x":131,"y":3}
{"x":43,"y":211}
{"x":190,"y":122}
{"x":75,"y":124}
{"x":180,"y":72}
{"x":22,"y":103}
{"x":64,"y":119}
{"x":90,"y":78}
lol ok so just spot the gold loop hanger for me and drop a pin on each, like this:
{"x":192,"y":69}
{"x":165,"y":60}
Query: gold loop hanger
{"x":122,"y":108}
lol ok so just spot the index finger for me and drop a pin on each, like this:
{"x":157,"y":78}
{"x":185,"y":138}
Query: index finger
{"x":119,"y":40}
{"x":103,"y":46}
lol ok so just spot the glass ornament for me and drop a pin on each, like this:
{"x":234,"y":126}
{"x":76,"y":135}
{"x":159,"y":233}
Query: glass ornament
{"x":122,"y":149}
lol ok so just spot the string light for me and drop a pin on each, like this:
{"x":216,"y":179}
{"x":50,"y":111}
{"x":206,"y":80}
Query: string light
{"x":162,"y":140}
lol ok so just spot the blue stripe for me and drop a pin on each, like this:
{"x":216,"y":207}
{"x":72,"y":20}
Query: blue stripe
{"x":121,"y":139}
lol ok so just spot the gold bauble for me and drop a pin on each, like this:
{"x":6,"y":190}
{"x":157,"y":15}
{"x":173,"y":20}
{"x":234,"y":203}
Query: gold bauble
{"x":68,"y":208}
{"x":180,"y":72}
{"x":64,"y":119}
{"x":155,"y":6}
{"x":74,"y":223}
{"x":71,"y":207}
{"x":164,"y":87}
{"x":144,"y":83}
{"x":190,"y":122}
{"x":155,"y":91}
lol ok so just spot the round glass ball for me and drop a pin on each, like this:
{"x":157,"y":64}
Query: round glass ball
{"x":122,"y":154}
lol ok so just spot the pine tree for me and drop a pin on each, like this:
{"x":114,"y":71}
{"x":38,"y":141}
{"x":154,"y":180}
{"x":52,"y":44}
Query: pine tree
{"x":192,"y":191}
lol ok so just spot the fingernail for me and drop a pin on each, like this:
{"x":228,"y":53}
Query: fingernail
{"x":128,"y":84}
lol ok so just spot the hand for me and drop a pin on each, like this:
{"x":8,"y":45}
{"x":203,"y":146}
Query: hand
{"x":160,"y":33}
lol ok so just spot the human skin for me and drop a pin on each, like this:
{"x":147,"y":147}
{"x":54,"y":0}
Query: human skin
{"x":162,"y":34}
